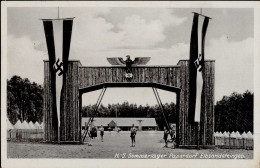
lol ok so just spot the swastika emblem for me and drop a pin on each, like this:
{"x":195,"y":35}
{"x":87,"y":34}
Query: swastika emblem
{"x":197,"y":63}
{"x":58,"y":67}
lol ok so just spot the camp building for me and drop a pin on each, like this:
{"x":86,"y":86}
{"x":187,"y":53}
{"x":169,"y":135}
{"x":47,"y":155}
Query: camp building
{"x":123,"y":123}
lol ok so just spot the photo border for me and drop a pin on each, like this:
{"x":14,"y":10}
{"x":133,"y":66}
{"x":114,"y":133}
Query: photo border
{"x":107,"y":163}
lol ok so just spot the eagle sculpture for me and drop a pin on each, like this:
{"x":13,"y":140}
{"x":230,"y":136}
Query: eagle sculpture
{"x":129,"y":63}
{"x":120,"y":61}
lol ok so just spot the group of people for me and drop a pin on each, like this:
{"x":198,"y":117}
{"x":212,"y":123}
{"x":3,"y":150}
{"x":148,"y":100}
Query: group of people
{"x":133,"y":131}
{"x":167,"y":132}
{"x":93,"y":132}
{"x":170,"y":132}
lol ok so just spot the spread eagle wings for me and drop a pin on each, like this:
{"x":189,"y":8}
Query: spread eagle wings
{"x":120,"y":61}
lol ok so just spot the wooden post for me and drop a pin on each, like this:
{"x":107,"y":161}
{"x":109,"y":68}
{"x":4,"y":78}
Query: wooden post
{"x":178,"y":118}
{"x":188,"y":132}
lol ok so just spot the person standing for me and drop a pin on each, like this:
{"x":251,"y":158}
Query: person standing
{"x":173,"y":137}
{"x":133,"y":134}
{"x":165,"y":136}
{"x":94,"y":131}
{"x":101,"y":132}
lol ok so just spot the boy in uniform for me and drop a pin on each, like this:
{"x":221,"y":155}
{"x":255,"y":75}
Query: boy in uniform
{"x":93,"y":132}
{"x":172,"y":134}
{"x":132,"y":135}
{"x":101,"y":132}
{"x":165,"y":136}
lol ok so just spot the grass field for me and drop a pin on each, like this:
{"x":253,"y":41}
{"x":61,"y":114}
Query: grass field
{"x":117,"y":145}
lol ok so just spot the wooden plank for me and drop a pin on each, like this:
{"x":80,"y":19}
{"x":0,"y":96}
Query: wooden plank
{"x":206,"y":104}
{"x":210,"y":96}
{"x":187,"y":135}
{"x":177,"y":116}
{"x":213,"y":99}
{"x":111,"y":75}
{"x":182,"y":105}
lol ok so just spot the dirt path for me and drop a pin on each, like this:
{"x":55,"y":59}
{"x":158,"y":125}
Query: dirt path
{"x":118,"y":146}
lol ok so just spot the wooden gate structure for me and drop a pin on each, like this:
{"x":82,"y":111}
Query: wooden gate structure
{"x":79,"y":78}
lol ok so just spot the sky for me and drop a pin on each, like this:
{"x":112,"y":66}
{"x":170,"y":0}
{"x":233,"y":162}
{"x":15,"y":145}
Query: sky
{"x":160,"y":33}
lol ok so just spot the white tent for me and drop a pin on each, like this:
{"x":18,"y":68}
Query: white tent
{"x":233,"y":135}
{"x":225,"y":134}
{"x":18,"y":125}
{"x":9,"y":125}
{"x":250,"y":135}
{"x":244,"y":135}
{"x":238,"y":135}
{"x":25,"y":125}
{"x":31,"y":125}
{"x":41,"y":125}
{"x":37,"y":125}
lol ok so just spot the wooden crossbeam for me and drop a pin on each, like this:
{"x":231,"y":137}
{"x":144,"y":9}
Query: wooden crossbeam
{"x":129,"y":84}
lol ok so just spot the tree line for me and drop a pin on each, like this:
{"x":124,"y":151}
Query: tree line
{"x":235,"y":112}
{"x":25,"y":102}
{"x":133,"y":110}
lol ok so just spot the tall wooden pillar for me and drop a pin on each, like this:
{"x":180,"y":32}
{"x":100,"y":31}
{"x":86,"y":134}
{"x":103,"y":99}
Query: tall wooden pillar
{"x":70,"y":119}
{"x":190,"y":134}
{"x":50,"y":129}
{"x":70,"y":126}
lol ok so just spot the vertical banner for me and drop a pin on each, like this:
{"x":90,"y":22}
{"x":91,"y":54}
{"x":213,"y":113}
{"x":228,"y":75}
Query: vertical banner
{"x":196,"y":66}
{"x":200,"y":66}
{"x":48,"y":30}
{"x":58,"y":66}
{"x":193,"y":68}
{"x":58,"y":37}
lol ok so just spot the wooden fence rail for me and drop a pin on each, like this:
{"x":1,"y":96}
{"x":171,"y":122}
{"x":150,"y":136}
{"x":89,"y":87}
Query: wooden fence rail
{"x":25,"y":135}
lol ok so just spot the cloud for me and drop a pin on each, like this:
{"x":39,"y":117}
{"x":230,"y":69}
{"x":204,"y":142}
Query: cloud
{"x":24,"y":59}
{"x":168,"y":18}
{"x":94,"y":34}
{"x":139,"y":33}
{"x":165,"y":15}
{"x":234,"y":65}
{"x":135,"y":30}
